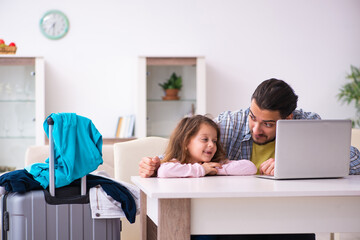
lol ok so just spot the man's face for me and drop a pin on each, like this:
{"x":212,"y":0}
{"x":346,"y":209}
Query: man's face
{"x":262,"y":123}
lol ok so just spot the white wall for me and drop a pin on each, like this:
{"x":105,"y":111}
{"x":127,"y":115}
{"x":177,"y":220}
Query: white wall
{"x":93,"y":70}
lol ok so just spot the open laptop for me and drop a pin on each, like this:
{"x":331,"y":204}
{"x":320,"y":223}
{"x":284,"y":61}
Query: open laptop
{"x":311,"y":149}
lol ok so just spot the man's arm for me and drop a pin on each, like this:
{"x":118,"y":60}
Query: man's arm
{"x":148,"y":166}
{"x":354,"y":161}
{"x":300,"y":114}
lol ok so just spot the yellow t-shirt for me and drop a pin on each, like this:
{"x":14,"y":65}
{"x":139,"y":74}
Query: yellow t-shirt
{"x":261,"y":153}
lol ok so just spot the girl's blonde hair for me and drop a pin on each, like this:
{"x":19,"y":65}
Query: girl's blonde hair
{"x":182,"y":134}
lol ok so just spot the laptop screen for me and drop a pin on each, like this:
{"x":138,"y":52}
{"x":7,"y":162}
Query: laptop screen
{"x":312,"y":148}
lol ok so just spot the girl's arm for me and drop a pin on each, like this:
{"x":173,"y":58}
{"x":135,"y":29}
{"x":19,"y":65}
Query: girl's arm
{"x":237,"y":168}
{"x":176,"y":169}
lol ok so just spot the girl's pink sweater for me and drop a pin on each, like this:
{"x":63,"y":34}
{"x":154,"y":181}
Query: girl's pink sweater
{"x":232,"y":167}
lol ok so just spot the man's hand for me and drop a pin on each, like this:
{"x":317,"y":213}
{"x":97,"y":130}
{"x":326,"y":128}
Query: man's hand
{"x":210,"y":168}
{"x":148,"y":166}
{"x":267,"y":167}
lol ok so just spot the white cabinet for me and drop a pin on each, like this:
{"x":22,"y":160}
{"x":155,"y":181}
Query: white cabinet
{"x":157,"y":117}
{"x":22,"y":107}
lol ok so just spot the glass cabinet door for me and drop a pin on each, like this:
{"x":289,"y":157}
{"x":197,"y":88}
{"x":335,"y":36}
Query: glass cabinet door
{"x":17,"y":110}
{"x":156,"y":116}
{"x":163,"y":115}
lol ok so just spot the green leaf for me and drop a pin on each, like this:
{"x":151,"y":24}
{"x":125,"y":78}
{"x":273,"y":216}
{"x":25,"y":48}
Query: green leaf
{"x":174,"y":82}
{"x":350,"y":92}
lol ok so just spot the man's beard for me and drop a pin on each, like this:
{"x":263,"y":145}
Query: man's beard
{"x":262,"y":143}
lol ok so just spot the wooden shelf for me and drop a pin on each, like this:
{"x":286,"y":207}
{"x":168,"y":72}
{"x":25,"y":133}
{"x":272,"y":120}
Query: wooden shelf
{"x":171,"y":61}
{"x":11,"y":60}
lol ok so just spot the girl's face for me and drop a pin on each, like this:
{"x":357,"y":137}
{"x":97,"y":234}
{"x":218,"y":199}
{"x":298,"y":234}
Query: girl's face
{"x":202,"y":146}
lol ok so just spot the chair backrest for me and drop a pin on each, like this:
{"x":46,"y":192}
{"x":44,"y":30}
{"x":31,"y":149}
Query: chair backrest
{"x":355,"y":138}
{"x":127,"y":155}
{"x":36,"y":154}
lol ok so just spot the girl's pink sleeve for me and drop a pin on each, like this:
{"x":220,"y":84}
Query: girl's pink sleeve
{"x":237,"y":168}
{"x":176,"y":169}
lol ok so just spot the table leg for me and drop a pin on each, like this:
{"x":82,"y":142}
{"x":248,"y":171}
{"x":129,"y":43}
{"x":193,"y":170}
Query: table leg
{"x":334,"y":236}
{"x":148,"y":227}
{"x":143,"y":215}
{"x":174,"y":219}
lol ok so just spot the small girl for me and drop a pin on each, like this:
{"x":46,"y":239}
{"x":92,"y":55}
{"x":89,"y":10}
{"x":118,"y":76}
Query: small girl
{"x":194,"y":150}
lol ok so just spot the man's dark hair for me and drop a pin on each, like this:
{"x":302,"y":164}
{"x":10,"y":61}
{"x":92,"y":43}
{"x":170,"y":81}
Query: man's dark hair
{"x":276,"y":95}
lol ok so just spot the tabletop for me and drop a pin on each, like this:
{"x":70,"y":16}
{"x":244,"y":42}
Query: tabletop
{"x":245,"y":186}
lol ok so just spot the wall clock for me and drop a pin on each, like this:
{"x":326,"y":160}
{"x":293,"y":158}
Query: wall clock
{"x":54,"y":24}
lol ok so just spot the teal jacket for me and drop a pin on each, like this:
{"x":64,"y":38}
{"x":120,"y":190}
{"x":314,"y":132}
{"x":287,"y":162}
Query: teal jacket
{"x":77,"y":146}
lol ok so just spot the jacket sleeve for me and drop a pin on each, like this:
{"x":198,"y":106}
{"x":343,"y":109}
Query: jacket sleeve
{"x":176,"y":170}
{"x":237,"y":168}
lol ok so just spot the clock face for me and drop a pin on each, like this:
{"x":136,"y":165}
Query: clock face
{"x":54,"y":24}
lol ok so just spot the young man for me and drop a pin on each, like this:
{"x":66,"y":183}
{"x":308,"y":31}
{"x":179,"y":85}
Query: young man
{"x":250,"y":134}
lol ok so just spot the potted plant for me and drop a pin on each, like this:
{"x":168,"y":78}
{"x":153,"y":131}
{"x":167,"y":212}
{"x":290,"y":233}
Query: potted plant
{"x":351,"y":92}
{"x":172,"y":87}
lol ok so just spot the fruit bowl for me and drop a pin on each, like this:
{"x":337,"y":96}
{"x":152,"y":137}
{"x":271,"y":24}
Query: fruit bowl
{"x":8,"y":50}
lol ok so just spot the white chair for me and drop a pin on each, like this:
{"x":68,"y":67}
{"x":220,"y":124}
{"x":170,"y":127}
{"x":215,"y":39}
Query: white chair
{"x":127,"y":156}
{"x":355,"y":138}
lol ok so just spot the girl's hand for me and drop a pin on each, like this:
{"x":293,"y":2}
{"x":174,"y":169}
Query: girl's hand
{"x":210,"y":168}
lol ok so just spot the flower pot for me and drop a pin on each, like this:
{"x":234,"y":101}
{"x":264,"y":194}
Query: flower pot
{"x":171,"y":94}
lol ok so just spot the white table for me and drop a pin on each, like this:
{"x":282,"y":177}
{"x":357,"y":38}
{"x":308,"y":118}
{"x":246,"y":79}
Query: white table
{"x":177,"y":207}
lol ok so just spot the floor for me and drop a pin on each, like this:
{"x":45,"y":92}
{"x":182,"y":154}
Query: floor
{"x":326,"y":236}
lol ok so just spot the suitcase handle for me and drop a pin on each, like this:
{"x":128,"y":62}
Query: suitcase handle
{"x":50,"y":122}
